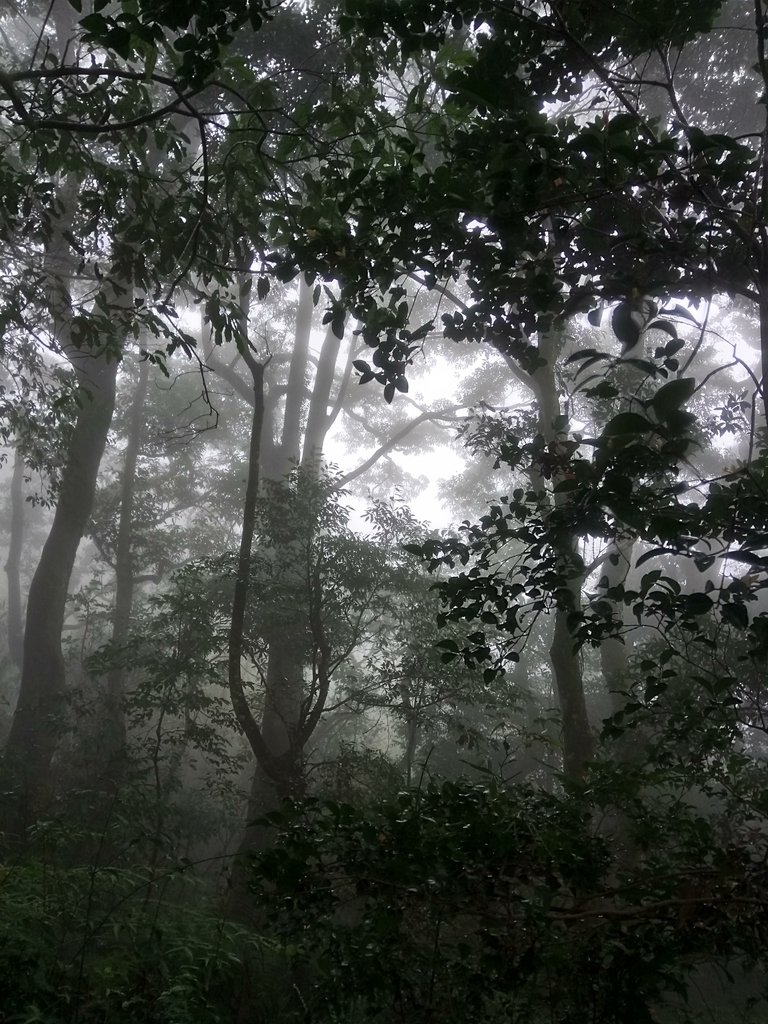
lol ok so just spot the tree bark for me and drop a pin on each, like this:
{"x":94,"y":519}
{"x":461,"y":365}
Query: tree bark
{"x":13,"y":563}
{"x":318,"y":416}
{"x":578,"y":742}
{"x":294,"y":397}
{"x":577,"y":738}
{"x":279,"y":741}
{"x":114,"y":736}
{"x":763,"y":310}
{"x":38,"y":721}
{"x":614,"y":651}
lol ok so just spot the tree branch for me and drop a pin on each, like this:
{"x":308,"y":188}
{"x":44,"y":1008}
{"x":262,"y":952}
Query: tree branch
{"x":394,"y":441}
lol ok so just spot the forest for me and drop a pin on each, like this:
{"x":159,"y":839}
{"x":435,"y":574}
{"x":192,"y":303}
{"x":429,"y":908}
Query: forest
{"x":384,"y":512}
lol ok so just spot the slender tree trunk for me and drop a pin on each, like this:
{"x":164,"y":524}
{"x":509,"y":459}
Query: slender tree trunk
{"x":318,"y":414}
{"x":578,"y":742}
{"x":763,"y":309}
{"x":13,"y":563}
{"x":114,"y":736}
{"x":411,"y":739}
{"x":38,"y":721}
{"x":614,"y":651}
{"x":238,"y":903}
{"x":297,"y":383}
{"x":279,"y":771}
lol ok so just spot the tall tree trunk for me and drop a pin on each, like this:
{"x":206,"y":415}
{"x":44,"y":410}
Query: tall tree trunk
{"x":296,"y":388}
{"x":763,"y":310}
{"x":282,"y":734}
{"x":279,"y":776}
{"x":13,"y":562}
{"x":318,"y":419}
{"x":238,"y":902}
{"x":614,"y":651}
{"x":577,"y":738}
{"x":114,"y":735}
{"x":39,"y":717}
{"x":578,"y":742}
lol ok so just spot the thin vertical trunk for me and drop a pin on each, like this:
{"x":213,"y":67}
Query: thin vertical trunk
{"x":296,"y":387}
{"x":114,"y":736}
{"x":614,"y":651}
{"x":411,"y":739}
{"x":763,"y":308}
{"x":13,"y":563}
{"x":243,"y":576}
{"x":268,"y":766}
{"x":318,"y":417}
{"x":578,"y":742}
{"x":283,"y":727}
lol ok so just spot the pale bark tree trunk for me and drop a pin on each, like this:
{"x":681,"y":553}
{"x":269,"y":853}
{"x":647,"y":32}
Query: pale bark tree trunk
{"x":577,"y":738}
{"x":13,"y":562}
{"x":114,"y":736}
{"x":290,"y":446}
{"x":318,"y":418}
{"x":411,"y":739}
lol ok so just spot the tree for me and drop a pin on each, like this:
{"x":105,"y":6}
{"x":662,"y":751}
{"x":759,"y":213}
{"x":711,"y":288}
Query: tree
{"x":546,"y":212}
{"x":120,"y":215}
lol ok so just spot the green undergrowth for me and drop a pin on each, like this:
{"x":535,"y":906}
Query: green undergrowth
{"x":118,"y":946}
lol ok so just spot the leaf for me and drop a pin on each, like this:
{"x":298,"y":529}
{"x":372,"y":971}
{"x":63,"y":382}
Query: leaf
{"x":337,"y":326}
{"x":422,"y":332}
{"x":415,"y":549}
{"x":389,"y":392}
{"x":262,"y":288}
{"x":627,"y":423}
{"x":119,"y":39}
{"x":698,"y":604}
{"x":602,"y":390}
{"x":585,"y":353}
{"x":670,"y":349}
{"x":669,"y":398}
{"x":356,"y":176}
{"x":663,"y":325}
{"x":595,"y":316}
{"x":94,"y":23}
{"x":624,"y":326}
{"x":648,"y":555}
{"x":735,"y":615}
{"x":703,"y":562}
{"x":569,"y":484}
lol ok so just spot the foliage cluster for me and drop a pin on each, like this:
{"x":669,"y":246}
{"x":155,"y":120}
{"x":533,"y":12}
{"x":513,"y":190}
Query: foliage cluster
{"x":129,"y":946}
{"x":476,"y":903}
